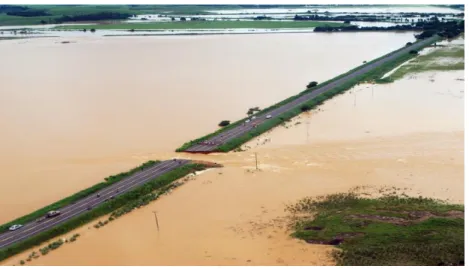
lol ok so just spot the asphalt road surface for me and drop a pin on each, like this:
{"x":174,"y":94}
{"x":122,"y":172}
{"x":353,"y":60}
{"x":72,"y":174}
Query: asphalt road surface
{"x":214,"y":142}
{"x":30,"y":229}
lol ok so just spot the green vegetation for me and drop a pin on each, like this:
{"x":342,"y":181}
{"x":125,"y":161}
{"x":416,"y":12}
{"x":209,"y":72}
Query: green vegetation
{"x":447,"y":58}
{"x":51,"y":246}
{"x":77,"y":196}
{"x":312,"y":84}
{"x":103,"y":209}
{"x":202,"y":25}
{"x":224,"y":123}
{"x":54,"y":13}
{"x":392,"y":230}
{"x":253,"y":110}
{"x":372,"y":75}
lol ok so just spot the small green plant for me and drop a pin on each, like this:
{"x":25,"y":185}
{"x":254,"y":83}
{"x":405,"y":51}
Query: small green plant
{"x":224,"y":123}
{"x":311,"y":84}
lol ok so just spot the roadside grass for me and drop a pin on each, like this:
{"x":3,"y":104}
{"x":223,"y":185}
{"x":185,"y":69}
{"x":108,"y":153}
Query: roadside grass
{"x":370,"y":76}
{"x":203,"y":25}
{"x":77,"y":196}
{"x":102,"y":209}
{"x":447,"y":58}
{"x":389,"y":230}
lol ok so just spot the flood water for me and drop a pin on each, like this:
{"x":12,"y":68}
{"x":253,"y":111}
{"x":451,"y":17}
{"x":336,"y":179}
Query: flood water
{"x":78,"y":112}
{"x":72,"y":114}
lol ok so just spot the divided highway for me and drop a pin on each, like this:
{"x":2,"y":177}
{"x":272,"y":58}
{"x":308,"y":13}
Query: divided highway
{"x":214,"y":142}
{"x":81,"y":206}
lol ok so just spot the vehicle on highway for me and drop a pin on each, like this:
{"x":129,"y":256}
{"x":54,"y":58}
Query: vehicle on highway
{"x":268,"y":116}
{"x":89,"y":208}
{"x":52,"y":213}
{"x":247,"y":121}
{"x":98,"y":195}
{"x":15,"y":227}
{"x":253,"y":118}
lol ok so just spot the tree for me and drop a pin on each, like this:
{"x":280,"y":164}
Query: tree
{"x":183,"y":19}
{"x":93,"y":30}
{"x":224,"y":123}
{"x":132,"y":30}
{"x":312,"y":84}
{"x":84,"y":30}
{"x":408,"y":43}
{"x":347,"y":22}
{"x":173,"y":19}
{"x":43,"y":22}
{"x":413,"y":52}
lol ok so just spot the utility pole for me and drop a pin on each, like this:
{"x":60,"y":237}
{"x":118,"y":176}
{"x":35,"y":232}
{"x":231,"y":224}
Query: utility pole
{"x":156,"y":219}
{"x":256,"y":160}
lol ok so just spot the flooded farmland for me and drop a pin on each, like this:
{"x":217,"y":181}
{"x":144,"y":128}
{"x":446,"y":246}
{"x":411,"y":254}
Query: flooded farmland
{"x":81,"y":111}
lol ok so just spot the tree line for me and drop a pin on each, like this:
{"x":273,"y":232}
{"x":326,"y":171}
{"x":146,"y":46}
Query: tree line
{"x":447,"y":29}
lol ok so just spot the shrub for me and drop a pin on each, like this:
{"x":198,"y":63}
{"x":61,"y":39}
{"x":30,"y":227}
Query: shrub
{"x":413,"y":52}
{"x":224,"y":123}
{"x":312,"y":84}
{"x":93,"y":30}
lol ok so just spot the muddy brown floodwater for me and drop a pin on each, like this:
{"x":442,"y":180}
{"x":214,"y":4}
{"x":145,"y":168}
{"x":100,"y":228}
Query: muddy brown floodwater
{"x":116,"y":102}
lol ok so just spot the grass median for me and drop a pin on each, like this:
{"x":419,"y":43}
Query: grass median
{"x":77,"y":196}
{"x":102,"y":209}
{"x":374,"y":74}
{"x":392,"y":230}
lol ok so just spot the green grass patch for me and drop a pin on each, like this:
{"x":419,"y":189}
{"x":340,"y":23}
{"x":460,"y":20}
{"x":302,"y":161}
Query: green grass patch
{"x":77,"y":196}
{"x":102,"y":209}
{"x":204,"y":25}
{"x":447,"y":58}
{"x":390,"y":230}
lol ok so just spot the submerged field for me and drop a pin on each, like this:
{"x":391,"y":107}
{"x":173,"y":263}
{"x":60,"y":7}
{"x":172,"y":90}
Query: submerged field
{"x":447,"y":56}
{"x":392,"y":230}
{"x":205,"y":25}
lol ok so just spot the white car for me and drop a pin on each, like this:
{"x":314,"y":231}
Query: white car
{"x":15,"y":227}
{"x":247,"y":121}
{"x":253,"y":118}
{"x":268,"y":116}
